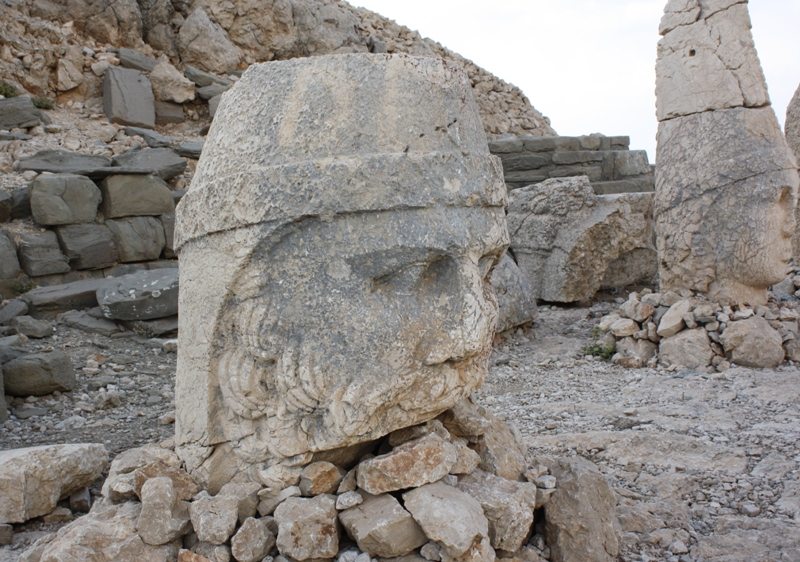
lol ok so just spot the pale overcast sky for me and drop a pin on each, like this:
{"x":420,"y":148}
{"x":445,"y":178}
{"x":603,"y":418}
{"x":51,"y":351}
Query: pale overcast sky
{"x":589,"y":65}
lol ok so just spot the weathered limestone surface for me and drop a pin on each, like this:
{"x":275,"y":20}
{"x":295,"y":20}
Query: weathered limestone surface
{"x":34,"y":479}
{"x":792,"y":133}
{"x":581,"y":519}
{"x":726,"y":183}
{"x":379,"y":167}
{"x":507,"y":505}
{"x":450,"y":517}
{"x":382,"y":527}
{"x":515,"y":301}
{"x":64,"y":199}
{"x":106,"y":534}
{"x":564,"y":237}
{"x":707,"y":59}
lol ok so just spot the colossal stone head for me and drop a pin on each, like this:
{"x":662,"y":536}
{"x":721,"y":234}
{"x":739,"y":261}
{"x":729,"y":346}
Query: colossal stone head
{"x":336,"y":247}
{"x":726,"y":181}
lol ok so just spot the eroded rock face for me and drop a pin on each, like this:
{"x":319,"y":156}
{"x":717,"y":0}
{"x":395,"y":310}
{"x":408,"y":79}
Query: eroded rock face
{"x":726,"y":183}
{"x":398,"y":205}
{"x":565,"y":237}
{"x":34,"y":479}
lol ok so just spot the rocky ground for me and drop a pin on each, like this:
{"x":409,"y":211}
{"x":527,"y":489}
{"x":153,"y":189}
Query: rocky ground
{"x":704,"y":465}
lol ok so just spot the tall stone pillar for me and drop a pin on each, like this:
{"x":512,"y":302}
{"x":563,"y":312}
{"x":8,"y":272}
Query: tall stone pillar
{"x":726,"y":182}
{"x":336,"y":246}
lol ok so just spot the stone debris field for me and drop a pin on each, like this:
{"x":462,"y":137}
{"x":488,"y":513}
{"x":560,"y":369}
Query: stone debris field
{"x":289,"y":282}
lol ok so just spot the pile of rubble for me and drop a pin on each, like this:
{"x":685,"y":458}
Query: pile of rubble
{"x":455,"y":488}
{"x":687,"y":331}
{"x":50,"y":49}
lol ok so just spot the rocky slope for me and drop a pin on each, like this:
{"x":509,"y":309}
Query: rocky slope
{"x":58,"y":48}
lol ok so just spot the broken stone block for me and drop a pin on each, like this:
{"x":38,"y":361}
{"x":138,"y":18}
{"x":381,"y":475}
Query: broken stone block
{"x":212,"y":91}
{"x":467,"y":460}
{"x":80,"y":501}
{"x":88,"y":246}
{"x":32,"y":327}
{"x":320,"y":478}
{"x":409,"y":465}
{"x":213,"y":104}
{"x":34,"y":479}
{"x":246,"y":494}
{"x":128,"y":98}
{"x":565,"y":237}
{"x":190,"y":149}
{"x":690,"y":348}
{"x":152,"y":139}
{"x":19,"y":113}
{"x":214,"y":519}
{"x":448,"y":516}
{"x":128,"y":58}
{"x":640,"y":350}
{"x":516,"y":303}
{"x":37,"y":374}
{"x":168,"y":222}
{"x":137,"y":238}
{"x":252,"y":542}
{"x":184,"y":487}
{"x":381,"y":527}
{"x":308,"y":527}
{"x":416,"y":431}
{"x":164,"y":517}
{"x":270,"y":499}
{"x":167,"y":112}
{"x":507,"y":505}
{"x":205,"y":44}
{"x":106,"y":534}
{"x":163,"y":162}
{"x":48,"y":302}
{"x":9,"y":263}
{"x":753,"y":343}
{"x":170,"y":85}
{"x":672,"y":322}
{"x":11,"y":309}
{"x":500,"y":449}
{"x":230,"y":223}
{"x":65,"y":162}
{"x":581,"y":522}
{"x":203,"y":78}
{"x":120,"y":485}
{"x":140,"y":296}
{"x":39,"y":254}
{"x":128,"y":196}
{"x":64,"y":199}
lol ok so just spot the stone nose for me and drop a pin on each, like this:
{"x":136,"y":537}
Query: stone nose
{"x":467,"y":319}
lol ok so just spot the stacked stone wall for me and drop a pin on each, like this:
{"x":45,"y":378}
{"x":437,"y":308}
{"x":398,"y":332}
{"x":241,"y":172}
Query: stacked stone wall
{"x":607,"y":161}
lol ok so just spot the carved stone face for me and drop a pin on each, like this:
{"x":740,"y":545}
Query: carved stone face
{"x":341,"y":331}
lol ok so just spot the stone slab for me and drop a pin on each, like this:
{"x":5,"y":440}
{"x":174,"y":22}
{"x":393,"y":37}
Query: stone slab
{"x":128,"y":98}
{"x":88,"y":246}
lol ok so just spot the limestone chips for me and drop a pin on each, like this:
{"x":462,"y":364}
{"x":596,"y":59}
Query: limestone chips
{"x":335,"y":250}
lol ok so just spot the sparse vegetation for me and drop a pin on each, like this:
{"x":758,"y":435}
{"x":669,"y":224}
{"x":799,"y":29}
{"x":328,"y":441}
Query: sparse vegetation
{"x":7,"y":90}
{"x":23,"y":287}
{"x":42,"y":102}
{"x":604,"y":352}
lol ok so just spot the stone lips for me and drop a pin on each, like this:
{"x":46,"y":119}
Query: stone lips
{"x":293,"y":135}
{"x":311,"y":154}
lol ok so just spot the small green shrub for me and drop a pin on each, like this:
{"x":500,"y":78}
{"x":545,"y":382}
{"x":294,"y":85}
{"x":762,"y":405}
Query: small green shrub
{"x":604,"y":352}
{"x":43,"y":102}
{"x":23,"y":287}
{"x":143,"y":330}
{"x":7,"y":90}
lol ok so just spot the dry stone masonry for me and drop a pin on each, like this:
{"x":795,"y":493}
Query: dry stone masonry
{"x":606,"y":161}
{"x":720,"y":150}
